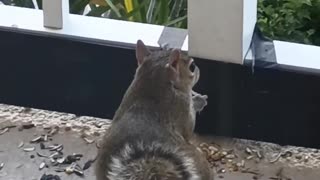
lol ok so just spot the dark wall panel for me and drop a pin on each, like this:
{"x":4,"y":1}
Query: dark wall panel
{"x":90,"y":79}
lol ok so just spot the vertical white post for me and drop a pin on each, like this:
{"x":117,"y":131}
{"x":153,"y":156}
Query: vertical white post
{"x":55,"y":13}
{"x":221,"y":29}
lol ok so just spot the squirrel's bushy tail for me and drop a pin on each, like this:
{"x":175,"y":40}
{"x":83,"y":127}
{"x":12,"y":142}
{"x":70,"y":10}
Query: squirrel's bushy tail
{"x":155,"y":161}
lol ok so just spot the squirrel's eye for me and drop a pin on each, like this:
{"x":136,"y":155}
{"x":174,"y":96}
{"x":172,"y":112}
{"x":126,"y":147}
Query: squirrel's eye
{"x":192,"y":67}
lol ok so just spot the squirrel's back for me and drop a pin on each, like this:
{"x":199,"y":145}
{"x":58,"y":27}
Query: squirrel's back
{"x":155,"y":161}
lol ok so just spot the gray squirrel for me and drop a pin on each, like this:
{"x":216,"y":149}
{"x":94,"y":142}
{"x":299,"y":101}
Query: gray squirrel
{"x":150,"y":133}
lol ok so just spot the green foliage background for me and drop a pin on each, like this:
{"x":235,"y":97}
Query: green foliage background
{"x":288,"y":20}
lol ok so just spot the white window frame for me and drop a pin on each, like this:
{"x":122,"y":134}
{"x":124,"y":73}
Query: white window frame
{"x":125,"y":34}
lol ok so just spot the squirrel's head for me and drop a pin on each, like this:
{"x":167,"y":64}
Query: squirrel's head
{"x":166,"y":66}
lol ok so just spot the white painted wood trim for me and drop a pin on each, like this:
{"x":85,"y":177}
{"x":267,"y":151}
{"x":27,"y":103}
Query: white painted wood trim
{"x":221,"y":29}
{"x":127,"y":33}
{"x":297,"y":55}
{"x":55,"y":13}
{"x":91,"y":28}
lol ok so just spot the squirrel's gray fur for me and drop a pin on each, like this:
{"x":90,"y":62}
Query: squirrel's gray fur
{"x":150,"y":133}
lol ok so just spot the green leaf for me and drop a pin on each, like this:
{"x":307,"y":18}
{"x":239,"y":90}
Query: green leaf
{"x":150,"y":12}
{"x":114,"y":8}
{"x":176,"y":21}
{"x":163,"y":12}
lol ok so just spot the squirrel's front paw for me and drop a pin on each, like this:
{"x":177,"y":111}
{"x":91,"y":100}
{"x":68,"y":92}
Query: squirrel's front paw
{"x":199,"y":102}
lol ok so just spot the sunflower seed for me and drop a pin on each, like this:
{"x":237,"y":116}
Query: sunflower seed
{"x":45,"y":138}
{"x":30,"y":149}
{"x":77,"y":155}
{"x":87,"y":165}
{"x":249,"y":157}
{"x":54,"y":148}
{"x":19,"y":166}
{"x":258,"y":153}
{"x":248,"y":150}
{"x":1,"y":165}
{"x":42,"y":155}
{"x":71,"y":159}
{"x":37,"y":139}
{"x":55,"y":155}
{"x":20,"y":144}
{"x":230,"y":156}
{"x":277,"y":158}
{"x":52,"y":160}
{"x":78,"y":172}
{"x":4,"y":131}
{"x":88,"y":141}
{"x":61,"y":160}
{"x":54,"y":131}
{"x":42,"y":165}
{"x":70,"y":169}
{"x":221,"y":170}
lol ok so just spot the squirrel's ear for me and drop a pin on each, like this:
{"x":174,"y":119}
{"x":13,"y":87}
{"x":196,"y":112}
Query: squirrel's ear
{"x":174,"y":58}
{"x":141,"y":51}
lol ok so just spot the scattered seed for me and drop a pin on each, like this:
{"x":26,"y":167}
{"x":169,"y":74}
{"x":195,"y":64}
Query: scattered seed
{"x":41,"y":155}
{"x":37,"y":139}
{"x":1,"y":165}
{"x":276,"y":159}
{"x":4,"y":131}
{"x":248,"y":151}
{"x":87,"y":165}
{"x":61,"y":160}
{"x":78,"y":172}
{"x":306,"y":158}
{"x":32,"y":156}
{"x":71,"y":159}
{"x":222,"y":170}
{"x":286,"y":154}
{"x":20,"y":144}
{"x":30,"y":149}
{"x":89,"y":141}
{"x":258,"y":153}
{"x":55,"y":148}
{"x":59,"y":170}
{"x":45,"y":138}
{"x":77,"y":155}
{"x":249,"y":157}
{"x":54,"y":131}
{"x":98,"y":125}
{"x":55,"y":155}
{"x":242,"y":163}
{"x":42,"y":165}
{"x":230,"y":156}
{"x":52,"y":160}
{"x":70,"y":169}
{"x":19,"y":166}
